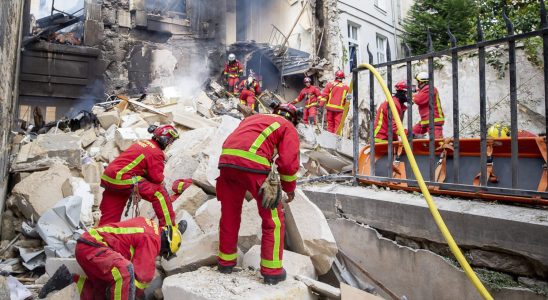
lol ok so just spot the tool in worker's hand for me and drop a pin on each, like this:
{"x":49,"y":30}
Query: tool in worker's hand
{"x":134,"y":199}
{"x":271,"y":191}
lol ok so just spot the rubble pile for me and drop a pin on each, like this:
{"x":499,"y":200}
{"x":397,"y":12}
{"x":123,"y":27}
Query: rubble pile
{"x":56,"y":193}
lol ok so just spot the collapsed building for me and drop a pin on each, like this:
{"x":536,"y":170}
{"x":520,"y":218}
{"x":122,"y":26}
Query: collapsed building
{"x":167,"y":56}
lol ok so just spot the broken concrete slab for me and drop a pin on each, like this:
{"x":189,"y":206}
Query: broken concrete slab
{"x":192,"y":121}
{"x":201,"y":177}
{"x":68,"y":293}
{"x":190,"y":200}
{"x":193,"y":230}
{"x":332,"y":163}
{"x":125,"y":137}
{"x":133,"y":120}
{"x":439,"y":278}
{"x":65,"y":146}
{"x":204,"y":104}
{"x":194,"y":253}
{"x":88,"y":137}
{"x":110,"y":133}
{"x":328,"y":140}
{"x":217,"y":88}
{"x":191,"y":142}
{"x":40,"y":191}
{"x":109,"y":151}
{"x":153,"y":118}
{"x":54,"y":263}
{"x":309,"y":233}
{"x":208,"y":216}
{"x":179,"y":165}
{"x":307,"y":135}
{"x":92,"y":172}
{"x":247,"y":284}
{"x":293,"y":263}
{"x":76,"y":186}
{"x":109,"y":118}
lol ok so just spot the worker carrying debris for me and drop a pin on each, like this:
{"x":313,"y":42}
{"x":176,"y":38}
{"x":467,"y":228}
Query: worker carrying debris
{"x":311,"y":93}
{"x":232,"y":73}
{"x":119,"y":259}
{"x":179,"y":186}
{"x":334,"y":97}
{"x":139,"y":172}
{"x":421,"y":99}
{"x":249,"y":89}
{"x":246,"y":165}
{"x":381,"y":118}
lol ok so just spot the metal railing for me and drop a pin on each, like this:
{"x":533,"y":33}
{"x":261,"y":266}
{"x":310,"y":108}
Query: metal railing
{"x":510,"y":41}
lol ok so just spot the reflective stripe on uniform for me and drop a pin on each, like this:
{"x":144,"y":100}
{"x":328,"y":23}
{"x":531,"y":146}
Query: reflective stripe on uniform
{"x":228,"y":257}
{"x":140,"y":285}
{"x":425,"y":122}
{"x":121,"y":181}
{"x":288,"y":178}
{"x":163,"y":204}
{"x":275,"y":263}
{"x":118,"y":282}
{"x":80,"y":283}
{"x":263,"y":136}
{"x":130,"y":166}
{"x":247,"y":155}
{"x":343,"y":98}
{"x":379,"y":124}
{"x":441,"y":117}
{"x":131,"y":252}
{"x":180,"y":186}
{"x":380,"y":141}
{"x":94,"y":232}
{"x":311,"y":105}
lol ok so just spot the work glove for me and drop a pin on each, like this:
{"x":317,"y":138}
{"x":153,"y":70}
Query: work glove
{"x":271,"y":191}
{"x":290,"y":197}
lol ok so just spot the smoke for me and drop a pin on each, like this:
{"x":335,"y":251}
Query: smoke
{"x":87,"y":101}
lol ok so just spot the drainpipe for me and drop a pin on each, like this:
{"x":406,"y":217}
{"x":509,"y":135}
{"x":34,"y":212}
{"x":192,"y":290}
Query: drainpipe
{"x":15,"y":108}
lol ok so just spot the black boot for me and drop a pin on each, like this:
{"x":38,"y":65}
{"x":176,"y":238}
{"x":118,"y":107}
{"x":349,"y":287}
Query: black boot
{"x":225,"y":269}
{"x":274,"y":279}
{"x":60,"y":280}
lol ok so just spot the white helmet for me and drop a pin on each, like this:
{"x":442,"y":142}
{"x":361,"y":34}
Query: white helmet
{"x":422,"y":77}
{"x":231,"y":57}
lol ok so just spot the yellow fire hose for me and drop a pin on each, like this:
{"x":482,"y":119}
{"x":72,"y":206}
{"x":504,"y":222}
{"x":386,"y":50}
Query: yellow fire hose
{"x":431,"y":205}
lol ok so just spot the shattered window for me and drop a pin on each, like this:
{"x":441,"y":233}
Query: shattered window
{"x":57,"y":21}
{"x":163,"y":7}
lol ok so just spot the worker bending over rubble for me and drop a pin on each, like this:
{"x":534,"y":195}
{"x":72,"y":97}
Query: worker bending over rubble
{"x":381,"y":118}
{"x":311,"y":93}
{"x":334,"y":97}
{"x":119,"y":259}
{"x":246,"y":165}
{"x":421,"y":99}
{"x":249,"y":89}
{"x":232,"y":73}
{"x":139,"y":172}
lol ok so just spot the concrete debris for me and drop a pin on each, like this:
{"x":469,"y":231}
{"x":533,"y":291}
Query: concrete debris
{"x":309,"y":233}
{"x":88,"y":137}
{"x":59,"y":227}
{"x":64,"y":146}
{"x":54,"y":263}
{"x":40,"y":191}
{"x":201,"y":177}
{"x":247,"y":284}
{"x":293,"y":263}
{"x":17,"y":291}
{"x":125,"y":137}
{"x":332,"y":163}
{"x":192,"y":121}
{"x":208,"y":216}
{"x":109,"y":152}
{"x":190,"y":200}
{"x":68,"y":293}
{"x":32,"y":259}
{"x":204,"y":104}
{"x":109,"y":118}
{"x":76,"y":186}
{"x":194,"y":253}
{"x":133,"y":120}
{"x":92,"y":172}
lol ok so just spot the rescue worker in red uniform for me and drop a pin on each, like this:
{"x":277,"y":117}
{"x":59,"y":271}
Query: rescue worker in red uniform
{"x":119,"y":259}
{"x":139,"y":170}
{"x":233,"y":71}
{"x":421,"y":99}
{"x":311,"y":94}
{"x":179,"y":186}
{"x":334,"y":97}
{"x":249,"y":89}
{"x":381,"y":118}
{"x":245,"y":163}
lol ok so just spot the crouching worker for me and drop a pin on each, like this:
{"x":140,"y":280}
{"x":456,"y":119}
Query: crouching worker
{"x":139,"y":172}
{"x":119,"y":259}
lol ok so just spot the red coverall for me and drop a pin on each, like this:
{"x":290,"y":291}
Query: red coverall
{"x":179,"y":186}
{"x":334,"y":94}
{"x":245,"y":162}
{"x":117,"y":259}
{"x":311,"y":94}
{"x":233,"y":71}
{"x":141,"y":165}
{"x":381,"y":121}
{"x":421,"y":99}
{"x":247,"y":95}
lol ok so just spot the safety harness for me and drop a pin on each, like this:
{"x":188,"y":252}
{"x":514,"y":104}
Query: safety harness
{"x":441,"y":166}
{"x":491,"y":177}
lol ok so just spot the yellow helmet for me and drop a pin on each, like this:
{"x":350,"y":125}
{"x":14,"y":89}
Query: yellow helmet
{"x":172,"y":237}
{"x":498,"y":131}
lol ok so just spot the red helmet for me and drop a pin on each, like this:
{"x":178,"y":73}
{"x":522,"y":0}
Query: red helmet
{"x":401,"y":86}
{"x":165,"y":135}
{"x":307,"y":80}
{"x":339,"y":75}
{"x":288,"y":111}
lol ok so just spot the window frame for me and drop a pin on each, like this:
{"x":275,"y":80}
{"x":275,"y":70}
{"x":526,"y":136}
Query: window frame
{"x":384,"y":39}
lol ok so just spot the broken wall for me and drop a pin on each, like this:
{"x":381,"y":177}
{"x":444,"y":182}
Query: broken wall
{"x":10,"y":34}
{"x":530,"y":92}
